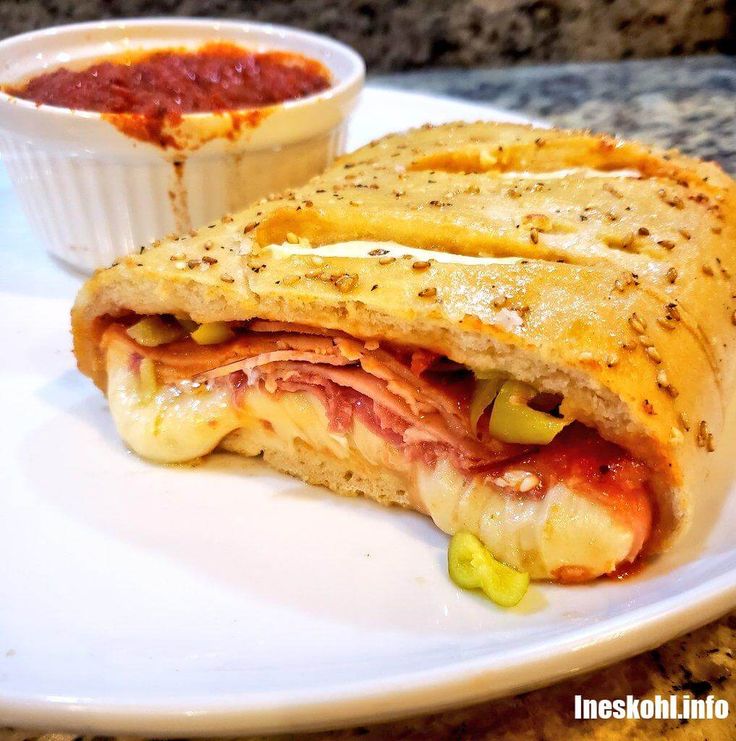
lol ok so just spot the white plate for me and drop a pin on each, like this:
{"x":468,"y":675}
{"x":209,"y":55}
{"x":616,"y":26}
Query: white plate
{"x":223,"y":598}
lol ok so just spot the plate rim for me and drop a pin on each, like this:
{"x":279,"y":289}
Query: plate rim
{"x":403,"y":695}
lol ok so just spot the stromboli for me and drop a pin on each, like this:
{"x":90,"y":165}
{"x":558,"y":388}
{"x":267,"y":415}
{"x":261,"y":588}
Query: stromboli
{"x":610,"y":290}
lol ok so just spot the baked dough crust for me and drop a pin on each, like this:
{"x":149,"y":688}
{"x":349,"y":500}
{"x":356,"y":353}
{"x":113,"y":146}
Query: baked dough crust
{"x":623,"y":301}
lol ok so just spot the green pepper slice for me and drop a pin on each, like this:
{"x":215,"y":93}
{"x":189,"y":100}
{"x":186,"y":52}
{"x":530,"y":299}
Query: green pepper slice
{"x":152,"y":331}
{"x":212,"y":333}
{"x":513,"y":421}
{"x":486,"y":389}
{"x":504,"y":585}
{"x":471,"y":566}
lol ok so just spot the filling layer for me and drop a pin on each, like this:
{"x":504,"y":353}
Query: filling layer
{"x":570,"y":510}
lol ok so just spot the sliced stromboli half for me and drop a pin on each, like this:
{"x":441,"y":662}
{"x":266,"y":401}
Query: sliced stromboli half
{"x":521,"y":333}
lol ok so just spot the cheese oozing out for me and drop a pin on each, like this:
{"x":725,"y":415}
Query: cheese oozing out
{"x":545,"y":536}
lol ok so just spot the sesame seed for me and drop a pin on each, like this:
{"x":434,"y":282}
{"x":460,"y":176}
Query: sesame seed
{"x":654,"y":355}
{"x":315,"y":260}
{"x":313,"y":273}
{"x":178,"y":256}
{"x":733,"y":318}
{"x":702,"y":434}
{"x":672,"y":275}
{"x":645,"y":340}
{"x":705,"y":438}
{"x":534,"y":235}
{"x":377,"y":252}
{"x":227,"y":278}
{"x":611,"y":360}
{"x":209,"y":260}
{"x":642,"y":231}
{"x":585,"y":356}
{"x":180,"y":264}
{"x":499,"y":301}
{"x":386,"y":260}
{"x":528,"y":483}
{"x":668,"y":244}
{"x":707,"y":269}
{"x":427,"y":292}
{"x":647,"y":406}
{"x":346,"y":283}
{"x":666,"y":323}
{"x":684,"y":422}
{"x":420,"y":265}
{"x":638,"y":324}
{"x":291,"y":238}
{"x":226,"y":219}
{"x":290,"y":280}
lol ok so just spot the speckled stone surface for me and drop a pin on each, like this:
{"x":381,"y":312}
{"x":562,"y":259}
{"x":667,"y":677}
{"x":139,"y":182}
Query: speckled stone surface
{"x":686,"y":103}
{"x":691,"y":104}
{"x":411,"y":33}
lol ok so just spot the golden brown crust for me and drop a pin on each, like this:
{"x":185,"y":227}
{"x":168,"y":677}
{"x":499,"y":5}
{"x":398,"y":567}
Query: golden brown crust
{"x":624,"y":300}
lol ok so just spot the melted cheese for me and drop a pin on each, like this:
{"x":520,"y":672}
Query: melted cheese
{"x":184,"y":421}
{"x":583,"y":172}
{"x":362,"y":249}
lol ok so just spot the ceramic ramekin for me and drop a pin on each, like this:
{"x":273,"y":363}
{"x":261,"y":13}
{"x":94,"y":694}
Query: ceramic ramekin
{"x":94,"y":193}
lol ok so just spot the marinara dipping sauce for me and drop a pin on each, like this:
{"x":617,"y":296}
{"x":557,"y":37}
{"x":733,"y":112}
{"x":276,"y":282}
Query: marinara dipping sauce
{"x":167,"y":83}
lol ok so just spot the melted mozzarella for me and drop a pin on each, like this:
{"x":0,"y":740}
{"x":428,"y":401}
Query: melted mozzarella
{"x":585,"y":172}
{"x":362,"y":249}
{"x":539,"y":535}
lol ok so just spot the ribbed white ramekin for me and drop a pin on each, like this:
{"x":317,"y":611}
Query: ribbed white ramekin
{"x":93,"y":193}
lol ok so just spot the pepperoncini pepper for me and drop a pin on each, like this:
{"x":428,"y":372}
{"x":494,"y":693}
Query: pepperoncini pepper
{"x":514,"y":421}
{"x":471,"y":566}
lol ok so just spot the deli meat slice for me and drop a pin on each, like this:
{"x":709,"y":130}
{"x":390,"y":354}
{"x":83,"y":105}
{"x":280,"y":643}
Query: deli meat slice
{"x":386,"y":384}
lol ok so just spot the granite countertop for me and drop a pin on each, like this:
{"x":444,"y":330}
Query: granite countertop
{"x":685,"y":103}
{"x":413,"y":34}
{"x":688,"y":103}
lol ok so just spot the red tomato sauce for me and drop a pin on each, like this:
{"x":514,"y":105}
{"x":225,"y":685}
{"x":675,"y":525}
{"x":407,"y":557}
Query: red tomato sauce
{"x":216,"y":77}
{"x":605,"y":472}
{"x":580,"y":457}
{"x":143,"y":93}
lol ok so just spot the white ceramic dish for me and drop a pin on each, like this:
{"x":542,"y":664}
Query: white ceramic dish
{"x":226,"y":598}
{"x":93,"y":193}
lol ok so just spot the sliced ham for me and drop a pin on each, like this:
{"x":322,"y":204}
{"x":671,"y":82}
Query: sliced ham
{"x":422,"y":412}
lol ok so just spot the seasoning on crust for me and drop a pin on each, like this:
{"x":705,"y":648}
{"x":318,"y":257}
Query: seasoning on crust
{"x":361,"y":314}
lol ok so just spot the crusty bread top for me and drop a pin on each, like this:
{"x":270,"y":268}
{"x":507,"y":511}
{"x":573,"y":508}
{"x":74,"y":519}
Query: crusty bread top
{"x":624,"y":299}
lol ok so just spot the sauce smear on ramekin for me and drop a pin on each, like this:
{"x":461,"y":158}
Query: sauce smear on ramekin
{"x":146,"y":93}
